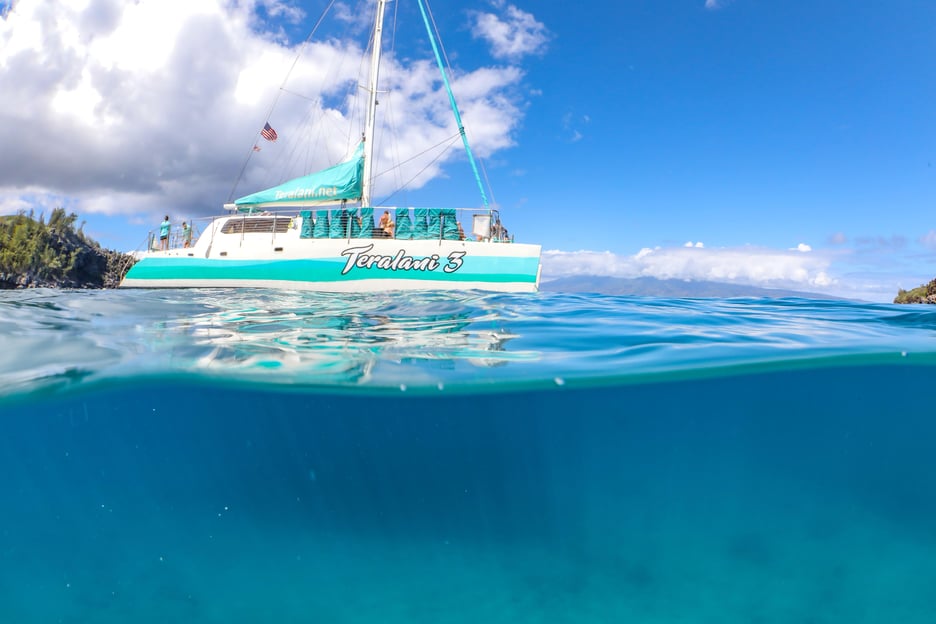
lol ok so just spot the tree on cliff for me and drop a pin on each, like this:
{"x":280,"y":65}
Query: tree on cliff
{"x":35,"y":253}
{"x":924,"y":294}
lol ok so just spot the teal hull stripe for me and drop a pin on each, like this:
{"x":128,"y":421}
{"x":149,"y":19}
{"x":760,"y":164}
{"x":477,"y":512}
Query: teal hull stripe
{"x":479,"y":269}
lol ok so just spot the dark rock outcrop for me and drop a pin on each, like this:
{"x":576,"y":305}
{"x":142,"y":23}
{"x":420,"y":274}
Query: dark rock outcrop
{"x":34,"y":254}
{"x":924,"y":294}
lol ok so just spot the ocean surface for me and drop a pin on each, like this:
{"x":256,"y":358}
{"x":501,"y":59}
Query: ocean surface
{"x":237,"y":457}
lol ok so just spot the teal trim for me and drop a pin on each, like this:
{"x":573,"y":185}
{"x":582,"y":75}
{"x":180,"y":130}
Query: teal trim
{"x":341,"y":182}
{"x":339,"y":224}
{"x":475,"y":269}
{"x":321,"y":224}
{"x":403,"y":230}
{"x":354,"y":226}
{"x":449,"y":224}
{"x":367,"y":223}
{"x":420,"y":228}
{"x":306,"y":231}
{"x":434,"y":230}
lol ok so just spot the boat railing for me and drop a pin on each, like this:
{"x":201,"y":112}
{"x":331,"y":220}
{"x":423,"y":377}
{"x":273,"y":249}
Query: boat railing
{"x":474,"y":224}
{"x":405,"y":223}
{"x":397,"y":222}
{"x":177,"y":236}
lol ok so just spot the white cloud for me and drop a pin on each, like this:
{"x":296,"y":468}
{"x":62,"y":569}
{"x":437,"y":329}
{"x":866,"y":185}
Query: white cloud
{"x":713,"y":5}
{"x":698,"y":245}
{"x":802,"y":247}
{"x":860,"y":272}
{"x":929,"y":239}
{"x":745,"y":265}
{"x":36,"y":200}
{"x":281,"y":9}
{"x":572,"y":125}
{"x":513,"y":35}
{"x":133,"y":107}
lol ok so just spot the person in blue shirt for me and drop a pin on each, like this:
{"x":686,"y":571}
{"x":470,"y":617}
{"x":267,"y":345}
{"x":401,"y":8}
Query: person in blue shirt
{"x":186,"y":234}
{"x":164,"y":234}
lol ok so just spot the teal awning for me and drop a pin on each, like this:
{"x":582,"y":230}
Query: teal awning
{"x":329,"y":186}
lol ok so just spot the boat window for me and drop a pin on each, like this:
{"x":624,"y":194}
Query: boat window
{"x":255,"y":225}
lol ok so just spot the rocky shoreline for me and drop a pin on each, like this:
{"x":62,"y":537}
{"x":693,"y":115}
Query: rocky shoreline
{"x":924,"y":294}
{"x":36,"y":254}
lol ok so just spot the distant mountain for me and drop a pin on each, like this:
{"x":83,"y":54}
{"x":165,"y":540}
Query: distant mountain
{"x":672,"y":288}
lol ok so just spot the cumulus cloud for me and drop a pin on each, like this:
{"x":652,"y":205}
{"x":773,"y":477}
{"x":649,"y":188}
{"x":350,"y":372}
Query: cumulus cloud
{"x":802,"y":247}
{"x":151,"y":106}
{"x":512,"y":34}
{"x":745,"y":265}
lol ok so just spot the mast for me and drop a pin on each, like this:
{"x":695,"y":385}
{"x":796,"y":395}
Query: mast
{"x":371,"y":119}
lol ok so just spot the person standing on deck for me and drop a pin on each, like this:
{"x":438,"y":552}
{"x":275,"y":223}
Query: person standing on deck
{"x":386,"y":224}
{"x":186,"y":234}
{"x":164,"y":234}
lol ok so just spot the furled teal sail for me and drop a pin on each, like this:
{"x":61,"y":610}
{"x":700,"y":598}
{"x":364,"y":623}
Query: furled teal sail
{"x":329,"y":186}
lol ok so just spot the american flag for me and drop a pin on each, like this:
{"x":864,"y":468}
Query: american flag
{"x":268,"y":132}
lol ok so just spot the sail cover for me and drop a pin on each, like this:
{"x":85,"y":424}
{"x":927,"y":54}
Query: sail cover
{"x":329,"y":186}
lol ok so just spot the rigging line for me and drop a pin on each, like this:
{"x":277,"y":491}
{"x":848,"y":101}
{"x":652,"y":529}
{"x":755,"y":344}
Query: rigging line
{"x":396,"y":12}
{"x":250,"y":152}
{"x":450,"y":140}
{"x":435,"y":27}
{"x":487,"y":181}
{"x":451,"y":96}
{"x":363,"y":76}
{"x":299,"y":95}
{"x":389,"y":117}
{"x":418,"y":173}
{"x":295,"y":146}
{"x":389,"y":134}
{"x":438,"y":36}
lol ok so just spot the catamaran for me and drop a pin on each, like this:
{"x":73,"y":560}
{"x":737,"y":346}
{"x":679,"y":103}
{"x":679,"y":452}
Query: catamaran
{"x":317,"y":232}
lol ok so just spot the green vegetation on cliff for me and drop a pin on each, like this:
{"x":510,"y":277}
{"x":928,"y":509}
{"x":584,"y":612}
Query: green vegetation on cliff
{"x":35,"y":253}
{"x":924,"y":294}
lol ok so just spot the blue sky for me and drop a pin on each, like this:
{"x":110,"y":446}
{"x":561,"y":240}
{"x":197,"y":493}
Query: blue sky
{"x":785,"y":144}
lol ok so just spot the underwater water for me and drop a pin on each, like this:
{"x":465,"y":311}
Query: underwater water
{"x":248,"y":456}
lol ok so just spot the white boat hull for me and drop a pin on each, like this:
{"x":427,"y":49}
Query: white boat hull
{"x":286,"y":261}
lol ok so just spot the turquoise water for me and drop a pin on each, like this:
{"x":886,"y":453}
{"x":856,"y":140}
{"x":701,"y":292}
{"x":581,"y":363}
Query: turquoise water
{"x":242,"y":457}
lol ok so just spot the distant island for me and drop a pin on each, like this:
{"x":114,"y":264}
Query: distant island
{"x":35,"y":253}
{"x":924,"y":294}
{"x":672,"y":288}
